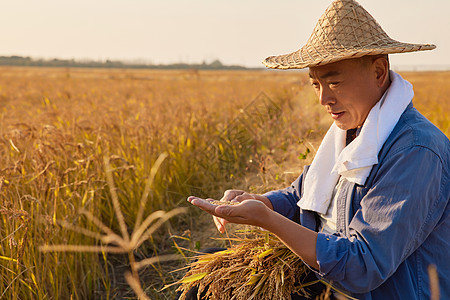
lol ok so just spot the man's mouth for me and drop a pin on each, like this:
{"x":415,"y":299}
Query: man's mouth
{"x":336,"y":115}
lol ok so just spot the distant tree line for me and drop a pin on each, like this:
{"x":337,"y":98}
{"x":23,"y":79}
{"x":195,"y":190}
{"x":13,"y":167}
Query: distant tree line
{"x":30,"y":62}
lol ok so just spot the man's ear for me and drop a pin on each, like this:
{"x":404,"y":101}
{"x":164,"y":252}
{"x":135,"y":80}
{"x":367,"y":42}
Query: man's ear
{"x":381,"y":66}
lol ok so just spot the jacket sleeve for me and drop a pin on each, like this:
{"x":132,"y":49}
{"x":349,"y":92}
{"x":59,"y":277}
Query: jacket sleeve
{"x":285,"y":201}
{"x":401,"y":208}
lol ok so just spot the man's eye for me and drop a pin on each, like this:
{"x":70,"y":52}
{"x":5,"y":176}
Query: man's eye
{"x":334,"y":83}
{"x":315,"y":85}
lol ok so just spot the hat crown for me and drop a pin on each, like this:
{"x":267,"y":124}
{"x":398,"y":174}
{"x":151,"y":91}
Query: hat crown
{"x":345,"y":30}
{"x":346,"y":24}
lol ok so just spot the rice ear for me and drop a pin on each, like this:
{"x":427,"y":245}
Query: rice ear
{"x":194,"y":277}
{"x":261,"y":267}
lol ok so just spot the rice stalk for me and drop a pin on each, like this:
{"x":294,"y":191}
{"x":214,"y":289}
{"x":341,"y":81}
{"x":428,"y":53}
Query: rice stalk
{"x":147,"y":188}
{"x":136,"y":286}
{"x":251,"y":269}
{"x":261,"y":267}
{"x":115,"y":201}
{"x":124,"y":242}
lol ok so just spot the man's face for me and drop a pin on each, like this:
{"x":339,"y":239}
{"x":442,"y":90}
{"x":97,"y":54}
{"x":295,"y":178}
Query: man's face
{"x":347,"y":89}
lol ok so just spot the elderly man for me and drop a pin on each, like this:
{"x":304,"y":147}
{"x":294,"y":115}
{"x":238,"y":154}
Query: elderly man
{"x":370,"y":215}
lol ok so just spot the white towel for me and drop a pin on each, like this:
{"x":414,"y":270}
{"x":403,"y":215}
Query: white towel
{"x":354,"y":162}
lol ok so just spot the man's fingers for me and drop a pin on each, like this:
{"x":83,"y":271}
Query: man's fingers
{"x":223,"y":214}
{"x":202,"y":203}
{"x":231,"y":194}
{"x":220,"y":223}
{"x":206,"y":205}
{"x":244,"y":196}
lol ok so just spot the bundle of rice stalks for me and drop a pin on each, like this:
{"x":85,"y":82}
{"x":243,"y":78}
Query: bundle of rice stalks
{"x":256,"y":268}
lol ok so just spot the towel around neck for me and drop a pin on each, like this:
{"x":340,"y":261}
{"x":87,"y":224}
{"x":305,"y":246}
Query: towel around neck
{"x":354,"y":162}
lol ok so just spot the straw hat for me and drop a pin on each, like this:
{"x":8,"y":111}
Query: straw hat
{"x":346,"y":30}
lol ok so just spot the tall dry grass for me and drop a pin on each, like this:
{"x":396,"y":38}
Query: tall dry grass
{"x":251,"y":130}
{"x":432,"y":97}
{"x":57,"y":125}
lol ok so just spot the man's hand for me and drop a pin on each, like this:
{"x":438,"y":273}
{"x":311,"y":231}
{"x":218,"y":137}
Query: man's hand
{"x":248,"y":211}
{"x":256,"y":212}
{"x":238,"y":196}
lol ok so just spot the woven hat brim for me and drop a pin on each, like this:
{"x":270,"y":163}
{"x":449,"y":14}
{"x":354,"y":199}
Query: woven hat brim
{"x":305,"y":58}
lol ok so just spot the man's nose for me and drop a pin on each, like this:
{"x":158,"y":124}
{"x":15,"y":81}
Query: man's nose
{"x":326,"y":96}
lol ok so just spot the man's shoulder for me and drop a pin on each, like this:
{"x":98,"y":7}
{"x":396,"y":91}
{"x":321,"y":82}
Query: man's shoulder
{"x":415,"y":130}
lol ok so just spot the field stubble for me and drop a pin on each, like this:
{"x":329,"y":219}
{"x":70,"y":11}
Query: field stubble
{"x":220,"y":129}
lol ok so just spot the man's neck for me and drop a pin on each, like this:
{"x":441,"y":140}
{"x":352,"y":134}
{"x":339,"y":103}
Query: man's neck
{"x":351,"y":135}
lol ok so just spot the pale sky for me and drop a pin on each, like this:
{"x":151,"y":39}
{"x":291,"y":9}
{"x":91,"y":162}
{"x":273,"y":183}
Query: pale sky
{"x":241,"y":32}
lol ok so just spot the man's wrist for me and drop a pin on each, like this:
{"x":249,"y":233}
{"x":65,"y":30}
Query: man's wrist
{"x":265,"y":200}
{"x":271,"y":220}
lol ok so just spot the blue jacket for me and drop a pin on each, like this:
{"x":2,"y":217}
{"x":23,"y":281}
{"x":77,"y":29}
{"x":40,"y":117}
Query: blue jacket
{"x":392,"y":228}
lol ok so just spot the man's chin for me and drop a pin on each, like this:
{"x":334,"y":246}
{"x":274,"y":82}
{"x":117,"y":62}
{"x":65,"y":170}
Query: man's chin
{"x":342,"y":126}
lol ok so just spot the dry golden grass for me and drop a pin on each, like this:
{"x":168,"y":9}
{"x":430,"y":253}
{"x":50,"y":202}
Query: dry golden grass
{"x":220,"y":129}
{"x":56,"y":127}
{"x":432,"y":97}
